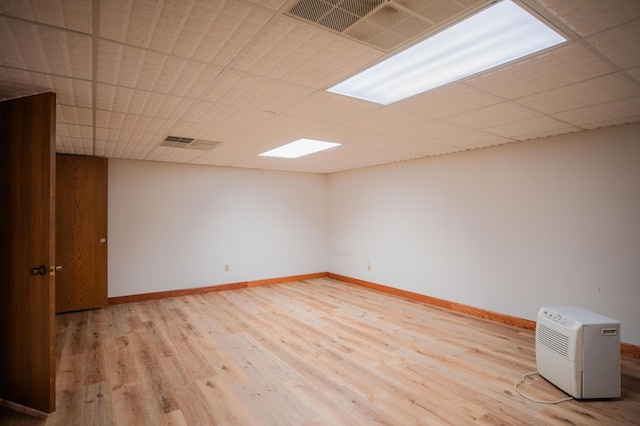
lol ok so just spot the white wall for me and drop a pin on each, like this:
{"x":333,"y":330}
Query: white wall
{"x":510,"y":229}
{"x":175,"y":226}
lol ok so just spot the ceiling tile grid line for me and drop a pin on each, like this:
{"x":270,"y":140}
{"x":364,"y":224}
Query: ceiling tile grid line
{"x":127,"y":73}
{"x":215,"y":82}
{"x":94,"y":58}
{"x":50,"y":25}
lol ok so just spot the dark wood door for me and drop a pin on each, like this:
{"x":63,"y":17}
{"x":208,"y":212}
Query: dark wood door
{"x":27,"y":296}
{"x":81,"y":232}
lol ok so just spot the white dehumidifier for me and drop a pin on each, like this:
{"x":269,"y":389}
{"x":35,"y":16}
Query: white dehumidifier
{"x":579,"y":351}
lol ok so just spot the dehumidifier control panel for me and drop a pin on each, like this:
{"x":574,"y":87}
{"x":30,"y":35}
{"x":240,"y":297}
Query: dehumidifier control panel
{"x":558,"y":317}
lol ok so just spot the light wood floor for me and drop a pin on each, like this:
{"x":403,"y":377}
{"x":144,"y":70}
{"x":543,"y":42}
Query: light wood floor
{"x":318,"y":352}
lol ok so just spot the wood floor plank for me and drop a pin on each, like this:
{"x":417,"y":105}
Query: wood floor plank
{"x":315,"y":352}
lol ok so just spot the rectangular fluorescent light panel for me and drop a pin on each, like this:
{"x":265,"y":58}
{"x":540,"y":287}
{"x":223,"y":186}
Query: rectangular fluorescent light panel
{"x":499,"y":34}
{"x":299,"y":148}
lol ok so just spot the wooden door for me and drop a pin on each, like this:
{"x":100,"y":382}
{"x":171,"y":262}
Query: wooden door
{"x":27,"y":251}
{"x":81,"y":232}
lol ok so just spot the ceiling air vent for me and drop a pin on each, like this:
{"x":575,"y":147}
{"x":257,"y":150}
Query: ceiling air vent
{"x":188,"y":143}
{"x":384,"y":24}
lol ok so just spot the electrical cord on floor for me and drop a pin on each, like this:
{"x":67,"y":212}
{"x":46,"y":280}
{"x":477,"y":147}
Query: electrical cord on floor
{"x":517,"y":382}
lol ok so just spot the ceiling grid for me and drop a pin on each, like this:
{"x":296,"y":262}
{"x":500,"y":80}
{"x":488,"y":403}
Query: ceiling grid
{"x":129,"y":73}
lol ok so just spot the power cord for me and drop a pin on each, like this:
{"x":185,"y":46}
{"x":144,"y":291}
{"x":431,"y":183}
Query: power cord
{"x":517,"y":382}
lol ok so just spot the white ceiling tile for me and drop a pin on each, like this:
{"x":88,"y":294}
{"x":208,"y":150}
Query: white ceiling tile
{"x":343,"y":134}
{"x":590,"y":16}
{"x":239,"y":72}
{"x":143,"y":18}
{"x":139,"y":102}
{"x":258,"y":141}
{"x":424,"y":148}
{"x":122,"y":150}
{"x":430,"y":130}
{"x":446,"y":101}
{"x":591,"y":92}
{"x":493,"y":115}
{"x":635,"y":73}
{"x":206,"y":132}
{"x":544,"y":134}
{"x":16,"y":83}
{"x":210,"y":32}
{"x":141,"y":69}
{"x":74,"y":145}
{"x":141,"y":123}
{"x":74,"y":131}
{"x":340,"y":159}
{"x":227,"y":34}
{"x":488,"y":144}
{"x":561,"y":66}
{"x":192,"y":79}
{"x":74,"y":115}
{"x":215,"y":121}
{"x":204,"y":112}
{"x":175,"y":155}
{"x":291,"y":127}
{"x":330,"y":107}
{"x":70,"y":14}
{"x":470,"y":139}
{"x":298,"y":53}
{"x":532,"y":128}
{"x":72,"y":91}
{"x":227,"y":153}
{"x":270,"y":4}
{"x":264,"y":163}
{"x":114,"y":19}
{"x":620,"y":44}
{"x":385,"y":120}
{"x":354,"y":150}
{"x":387,"y":157}
{"x":256,"y":92}
{"x":128,"y":136}
{"x":384,"y":141}
{"x":132,"y":122}
{"x":45,"y":49}
{"x":109,"y":119}
{"x":606,"y":114}
{"x":348,"y":163}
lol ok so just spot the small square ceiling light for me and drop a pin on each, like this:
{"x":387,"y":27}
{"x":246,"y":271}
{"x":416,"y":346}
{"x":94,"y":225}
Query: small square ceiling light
{"x":494,"y":36}
{"x":299,"y":148}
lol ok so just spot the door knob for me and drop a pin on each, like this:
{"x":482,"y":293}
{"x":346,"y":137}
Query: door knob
{"x":38,"y":270}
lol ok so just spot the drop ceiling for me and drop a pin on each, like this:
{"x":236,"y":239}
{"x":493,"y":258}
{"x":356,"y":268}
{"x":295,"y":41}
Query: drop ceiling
{"x":250,"y":76}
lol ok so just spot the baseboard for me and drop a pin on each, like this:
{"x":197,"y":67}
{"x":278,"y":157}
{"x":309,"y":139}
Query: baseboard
{"x":198,"y":290}
{"x":452,"y":306}
{"x":24,"y":410}
{"x":626,"y":349}
{"x":287,"y":279}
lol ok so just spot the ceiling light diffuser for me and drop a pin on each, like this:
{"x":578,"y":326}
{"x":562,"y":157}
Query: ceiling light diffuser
{"x":499,"y":34}
{"x":299,"y":148}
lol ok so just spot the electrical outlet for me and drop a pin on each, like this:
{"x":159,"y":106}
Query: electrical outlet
{"x":369,"y":267}
{"x":226,"y":268}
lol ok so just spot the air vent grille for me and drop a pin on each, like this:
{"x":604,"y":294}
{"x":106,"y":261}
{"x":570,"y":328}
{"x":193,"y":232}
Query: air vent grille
{"x":188,"y":143}
{"x":553,"y":340}
{"x":383,"y":24}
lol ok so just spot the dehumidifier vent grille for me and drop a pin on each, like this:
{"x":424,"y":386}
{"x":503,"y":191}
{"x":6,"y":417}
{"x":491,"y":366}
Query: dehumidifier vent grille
{"x":553,"y":340}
